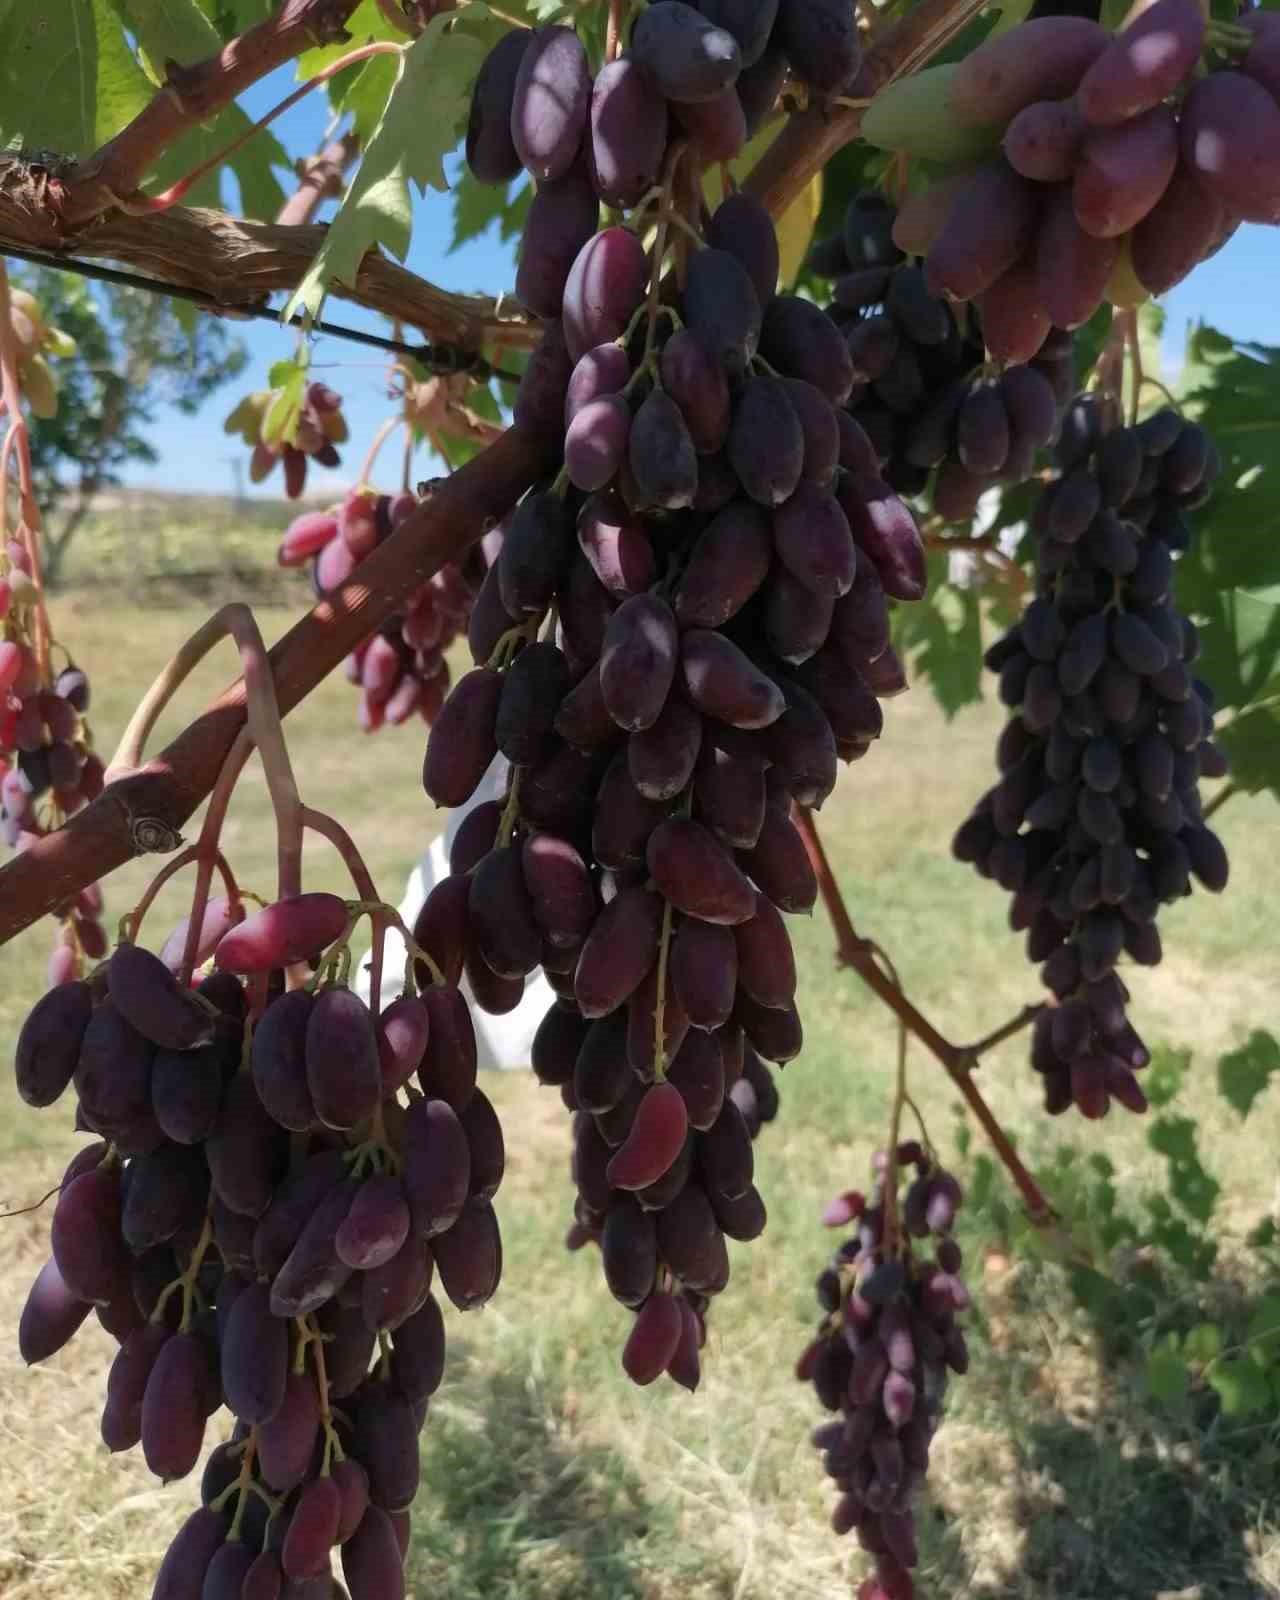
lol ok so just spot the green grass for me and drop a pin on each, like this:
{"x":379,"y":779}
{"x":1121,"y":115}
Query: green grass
{"x":546,"y":1476}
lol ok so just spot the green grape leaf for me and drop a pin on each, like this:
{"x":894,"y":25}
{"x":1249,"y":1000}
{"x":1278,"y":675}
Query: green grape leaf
{"x":231,"y":17}
{"x":942,"y":635}
{"x":436,"y":71}
{"x":1226,"y":578}
{"x":1202,"y":1343}
{"x":1263,"y":1337}
{"x":1245,"y":1073}
{"x":68,"y":77}
{"x":168,"y":30}
{"x":1240,"y":1385}
{"x":1163,"y":1078}
{"x":1166,"y":1373}
{"x":1190,"y":1185}
{"x":476,"y":207}
{"x":1252,"y":744}
{"x":364,"y":96}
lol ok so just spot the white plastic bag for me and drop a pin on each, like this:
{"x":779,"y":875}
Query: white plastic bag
{"x":504,"y":1043}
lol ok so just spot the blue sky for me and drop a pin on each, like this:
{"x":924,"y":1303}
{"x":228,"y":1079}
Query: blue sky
{"x":1236,"y":291}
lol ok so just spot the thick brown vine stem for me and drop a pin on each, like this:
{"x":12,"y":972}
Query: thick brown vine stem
{"x":239,"y":262}
{"x":813,"y":136}
{"x":191,"y":95}
{"x":154,"y":803}
{"x":854,"y":951}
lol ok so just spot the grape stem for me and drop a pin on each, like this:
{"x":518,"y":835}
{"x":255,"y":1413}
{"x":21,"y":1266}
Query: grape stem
{"x":263,"y":729}
{"x":385,"y":430}
{"x":613,"y":30}
{"x":1220,"y":799}
{"x":957,"y":1061}
{"x":186,"y":1281}
{"x":379,"y":914}
{"x":1129,"y":319}
{"x":660,"y":998}
{"x":131,"y":922}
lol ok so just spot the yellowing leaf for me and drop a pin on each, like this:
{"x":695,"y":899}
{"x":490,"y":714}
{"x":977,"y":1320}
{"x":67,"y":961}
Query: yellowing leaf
{"x":795,"y":229}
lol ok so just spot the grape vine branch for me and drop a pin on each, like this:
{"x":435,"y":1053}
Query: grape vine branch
{"x":958,"y":1061}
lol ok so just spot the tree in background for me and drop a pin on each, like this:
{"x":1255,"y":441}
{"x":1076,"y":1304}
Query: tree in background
{"x":136,"y":353}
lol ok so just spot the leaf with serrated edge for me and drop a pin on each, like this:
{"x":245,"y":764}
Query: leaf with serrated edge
{"x":365,"y":97}
{"x":436,"y":71}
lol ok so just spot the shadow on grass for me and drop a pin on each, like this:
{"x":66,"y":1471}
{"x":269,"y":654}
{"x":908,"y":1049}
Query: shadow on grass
{"x":1109,"y":1491}
{"x":514,"y":1503}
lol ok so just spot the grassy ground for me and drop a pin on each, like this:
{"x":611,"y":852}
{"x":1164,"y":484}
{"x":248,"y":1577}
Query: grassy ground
{"x":547,"y":1476}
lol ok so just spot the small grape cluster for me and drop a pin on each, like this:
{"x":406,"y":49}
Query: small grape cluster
{"x":1096,"y":820}
{"x":887,"y":1340}
{"x":276,"y":431}
{"x":48,"y":768}
{"x":400,"y":670}
{"x":707,"y":73}
{"x":925,"y":394}
{"x":1122,"y":166}
{"x":258,"y":1223}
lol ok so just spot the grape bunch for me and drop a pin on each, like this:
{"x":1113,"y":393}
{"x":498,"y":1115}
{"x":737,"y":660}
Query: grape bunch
{"x":400,"y":670}
{"x":1121,"y":163}
{"x":48,"y":768}
{"x":277,"y":1179}
{"x":1096,"y":820}
{"x":925,"y":394}
{"x":277,"y":430}
{"x":706,"y":74}
{"x":681,"y":636}
{"x":887,"y":1340}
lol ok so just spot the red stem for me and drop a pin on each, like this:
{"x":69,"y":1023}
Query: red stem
{"x":193,"y":94}
{"x":354,"y":862}
{"x":175,"y":193}
{"x":854,"y":951}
